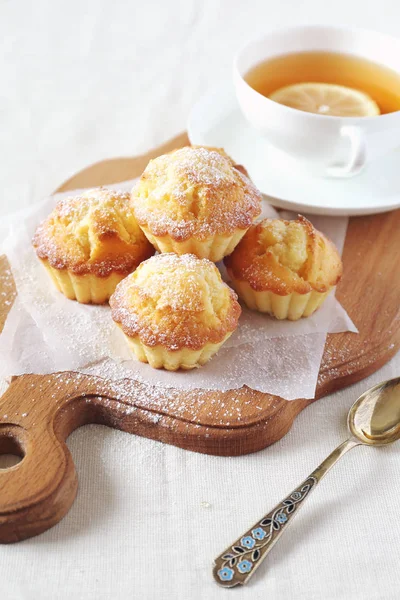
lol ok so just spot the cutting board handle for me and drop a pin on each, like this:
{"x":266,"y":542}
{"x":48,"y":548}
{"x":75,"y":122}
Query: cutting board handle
{"x":37,"y":413}
{"x":37,"y":492}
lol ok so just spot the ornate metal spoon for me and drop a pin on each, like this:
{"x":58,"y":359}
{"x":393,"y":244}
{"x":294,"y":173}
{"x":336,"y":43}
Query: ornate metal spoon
{"x":374,"y":420}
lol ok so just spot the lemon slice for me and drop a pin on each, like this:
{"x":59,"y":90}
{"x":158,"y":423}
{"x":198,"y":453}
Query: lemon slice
{"x":327,"y":99}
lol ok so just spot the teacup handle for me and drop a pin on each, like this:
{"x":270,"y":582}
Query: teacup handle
{"x":358,"y":153}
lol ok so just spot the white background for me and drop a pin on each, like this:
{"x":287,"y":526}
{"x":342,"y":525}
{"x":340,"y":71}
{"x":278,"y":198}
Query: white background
{"x":81,"y":81}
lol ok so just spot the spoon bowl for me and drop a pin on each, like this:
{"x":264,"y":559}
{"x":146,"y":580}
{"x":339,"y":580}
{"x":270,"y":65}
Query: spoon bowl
{"x":374,"y":419}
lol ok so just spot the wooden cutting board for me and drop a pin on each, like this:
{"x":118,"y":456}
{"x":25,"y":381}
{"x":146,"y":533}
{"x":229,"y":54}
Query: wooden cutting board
{"x":37,"y":413}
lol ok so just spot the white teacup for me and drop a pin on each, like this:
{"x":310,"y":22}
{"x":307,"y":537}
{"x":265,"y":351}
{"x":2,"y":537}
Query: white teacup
{"x":332,"y":146}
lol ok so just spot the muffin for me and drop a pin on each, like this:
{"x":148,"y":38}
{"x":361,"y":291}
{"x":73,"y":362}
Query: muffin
{"x":195,"y":200}
{"x":284,"y":268}
{"x":175,"y":311}
{"x":89,"y":243}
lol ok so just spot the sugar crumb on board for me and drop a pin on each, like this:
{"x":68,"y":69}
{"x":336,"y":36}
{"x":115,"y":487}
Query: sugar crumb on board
{"x":126,"y":396}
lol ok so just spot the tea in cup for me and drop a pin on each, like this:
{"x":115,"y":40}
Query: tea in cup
{"x":327,"y":96}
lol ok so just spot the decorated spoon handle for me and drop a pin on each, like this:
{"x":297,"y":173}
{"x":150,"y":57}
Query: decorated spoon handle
{"x":239,"y":561}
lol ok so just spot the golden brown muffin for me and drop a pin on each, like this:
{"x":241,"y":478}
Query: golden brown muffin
{"x":175,"y":311}
{"x":284,"y":268}
{"x":89,"y":243}
{"x":195,"y":200}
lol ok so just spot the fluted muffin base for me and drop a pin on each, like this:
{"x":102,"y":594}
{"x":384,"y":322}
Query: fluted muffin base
{"x":292,"y":306}
{"x":86,"y":289}
{"x":213,"y":248}
{"x":186,"y":359}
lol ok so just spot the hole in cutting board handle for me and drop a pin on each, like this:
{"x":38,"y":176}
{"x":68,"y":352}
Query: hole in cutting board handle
{"x":11,"y":452}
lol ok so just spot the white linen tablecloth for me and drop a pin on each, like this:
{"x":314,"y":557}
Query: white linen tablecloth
{"x":86,"y":80}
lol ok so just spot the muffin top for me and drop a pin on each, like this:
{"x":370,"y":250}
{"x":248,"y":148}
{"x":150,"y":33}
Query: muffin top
{"x":284,"y":257}
{"x":195,"y":192}
{"x":175,"y":301}
{"x":95,"y":232}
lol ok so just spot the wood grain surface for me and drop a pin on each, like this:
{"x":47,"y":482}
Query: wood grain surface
{"x":37,"y":413}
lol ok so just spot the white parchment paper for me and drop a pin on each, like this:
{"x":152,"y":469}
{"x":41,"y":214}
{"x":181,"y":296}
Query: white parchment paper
{"x":46,"y":332}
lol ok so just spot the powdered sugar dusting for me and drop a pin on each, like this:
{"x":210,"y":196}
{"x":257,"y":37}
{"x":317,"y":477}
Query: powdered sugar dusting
{"x":45,"y":332}
{"x":176,"y":301}
{"x":194,"y":192}
{"x":81,"y":232}
{"x":204,"y":166}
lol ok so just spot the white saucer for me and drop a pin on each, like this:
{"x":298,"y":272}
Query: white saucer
{"x":216,"y":120}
